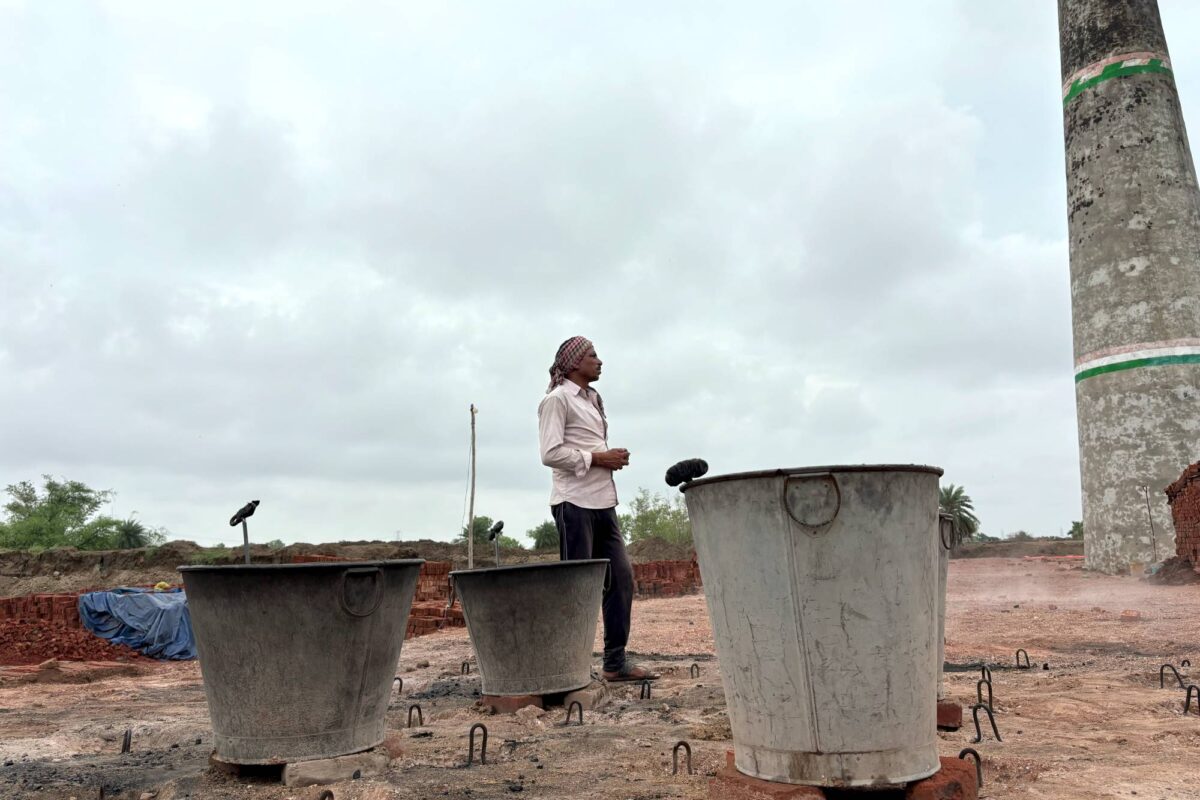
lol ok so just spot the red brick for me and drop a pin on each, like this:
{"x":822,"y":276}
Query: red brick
{"x":507,"y":705}
{"x":949,"y":715}
{"x":1184,"y":498}
{"x":729,"y":784}
{"x":954,"y":781}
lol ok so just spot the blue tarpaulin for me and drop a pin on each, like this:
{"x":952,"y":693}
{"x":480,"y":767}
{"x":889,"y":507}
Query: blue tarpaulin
{"x":157,"y":624}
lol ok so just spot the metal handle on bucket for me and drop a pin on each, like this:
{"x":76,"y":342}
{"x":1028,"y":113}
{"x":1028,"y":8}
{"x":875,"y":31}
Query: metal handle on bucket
{"x":450,"y":581}
{"x":813,"y":527}
{"x":944,"y":527}
{"x":374,"y":572}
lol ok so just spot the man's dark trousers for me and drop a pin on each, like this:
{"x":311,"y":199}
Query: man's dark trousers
{"x":595,"y":533}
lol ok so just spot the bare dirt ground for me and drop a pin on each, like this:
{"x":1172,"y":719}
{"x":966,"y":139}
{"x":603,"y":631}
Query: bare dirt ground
{"x":1092,"y":725}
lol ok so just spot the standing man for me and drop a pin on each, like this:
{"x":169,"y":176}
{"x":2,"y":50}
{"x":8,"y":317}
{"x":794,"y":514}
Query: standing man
{"x":574,"y":444}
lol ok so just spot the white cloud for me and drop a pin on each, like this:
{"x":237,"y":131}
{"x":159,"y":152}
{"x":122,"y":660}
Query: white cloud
{"x":273,"y":252}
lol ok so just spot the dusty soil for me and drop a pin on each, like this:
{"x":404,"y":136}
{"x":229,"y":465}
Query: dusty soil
{"x":1092,"y":725}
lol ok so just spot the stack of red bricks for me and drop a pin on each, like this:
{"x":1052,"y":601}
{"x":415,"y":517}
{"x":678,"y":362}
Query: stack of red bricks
{"x":37,"y":627}
{"x":429,"y":612}
{"x":433,"y":617}
{"x":1184,"y":497}
{"x":434,"y":583}
{"x":57,"y":610}
{"x":666,"y":578}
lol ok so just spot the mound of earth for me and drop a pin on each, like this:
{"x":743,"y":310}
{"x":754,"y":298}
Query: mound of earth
{"x":66,"y":569}
{"x":1015,"y":548}
{"x":659,"y":550}
{"x":1175,"y":571}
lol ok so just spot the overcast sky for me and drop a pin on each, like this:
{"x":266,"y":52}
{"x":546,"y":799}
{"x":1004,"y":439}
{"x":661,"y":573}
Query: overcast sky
{"x":273,"y":251}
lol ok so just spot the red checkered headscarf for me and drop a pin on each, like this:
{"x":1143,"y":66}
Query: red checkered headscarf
{"x":569,"y":354}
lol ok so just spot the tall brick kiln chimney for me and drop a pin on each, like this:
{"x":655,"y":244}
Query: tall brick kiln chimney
{"x":1134,"y":221}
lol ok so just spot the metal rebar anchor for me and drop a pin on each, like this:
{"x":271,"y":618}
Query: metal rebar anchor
{"x":687,"y":748}
{"x":1187,"y":704}
{"x":1162,"y":676}
{"x":482,"y":747}
{"x":979,"y":692}
{"x":979,"y":731}
{"x":970,"y":751}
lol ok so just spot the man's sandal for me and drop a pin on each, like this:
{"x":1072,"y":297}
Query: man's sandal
{"x":629,"y":674}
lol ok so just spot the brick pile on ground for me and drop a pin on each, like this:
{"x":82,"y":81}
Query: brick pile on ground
{"x":666,"y":578}
{"x":38,"y":627}
{"x":429,"y":612}
{"x":434,"y":582}
{"x":59,"y":610}
{"x":32,"y":641}
{"x":1184,"y":497}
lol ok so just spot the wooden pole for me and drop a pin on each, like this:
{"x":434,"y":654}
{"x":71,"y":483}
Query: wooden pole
{"x":471,"y":508}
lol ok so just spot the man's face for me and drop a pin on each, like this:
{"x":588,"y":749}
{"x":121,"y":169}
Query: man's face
{"x":589,"y":366}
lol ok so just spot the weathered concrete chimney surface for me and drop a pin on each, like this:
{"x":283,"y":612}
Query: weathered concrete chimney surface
{"x":1134,"y":225}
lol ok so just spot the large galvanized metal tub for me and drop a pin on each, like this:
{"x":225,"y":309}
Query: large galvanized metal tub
{"x":298,"y":659}
{"x":533,"y":626}
{"x":822,"y":587}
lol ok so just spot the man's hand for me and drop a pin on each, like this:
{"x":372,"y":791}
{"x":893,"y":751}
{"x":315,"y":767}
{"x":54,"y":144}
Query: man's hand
{"x":613,"y":459}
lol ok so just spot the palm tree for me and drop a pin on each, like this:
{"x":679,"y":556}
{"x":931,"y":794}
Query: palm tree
{"x":953,"y":500}
{"x":131,"y":534}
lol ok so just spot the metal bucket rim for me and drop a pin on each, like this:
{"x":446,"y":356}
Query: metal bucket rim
{"x":537,"y":565}
{"x":308,"y":565}
{"x":835,"y":469}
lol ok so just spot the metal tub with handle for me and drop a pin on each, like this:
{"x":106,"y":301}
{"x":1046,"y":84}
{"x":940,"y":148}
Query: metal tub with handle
{"x":533,"y":626}
{"x":822,"y":586}
{"x":298,"y":659}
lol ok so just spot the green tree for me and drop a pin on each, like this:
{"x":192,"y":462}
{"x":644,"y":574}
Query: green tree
{"x":67,"y":514}
{"x":480,"y":530}
{"x":276,"y":544}
{"x":544,"y":536}
{"x":1077,"y":530}
{"x":954,"y":500}
{"x":652,"y":516}
{"x":63,"y":513}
